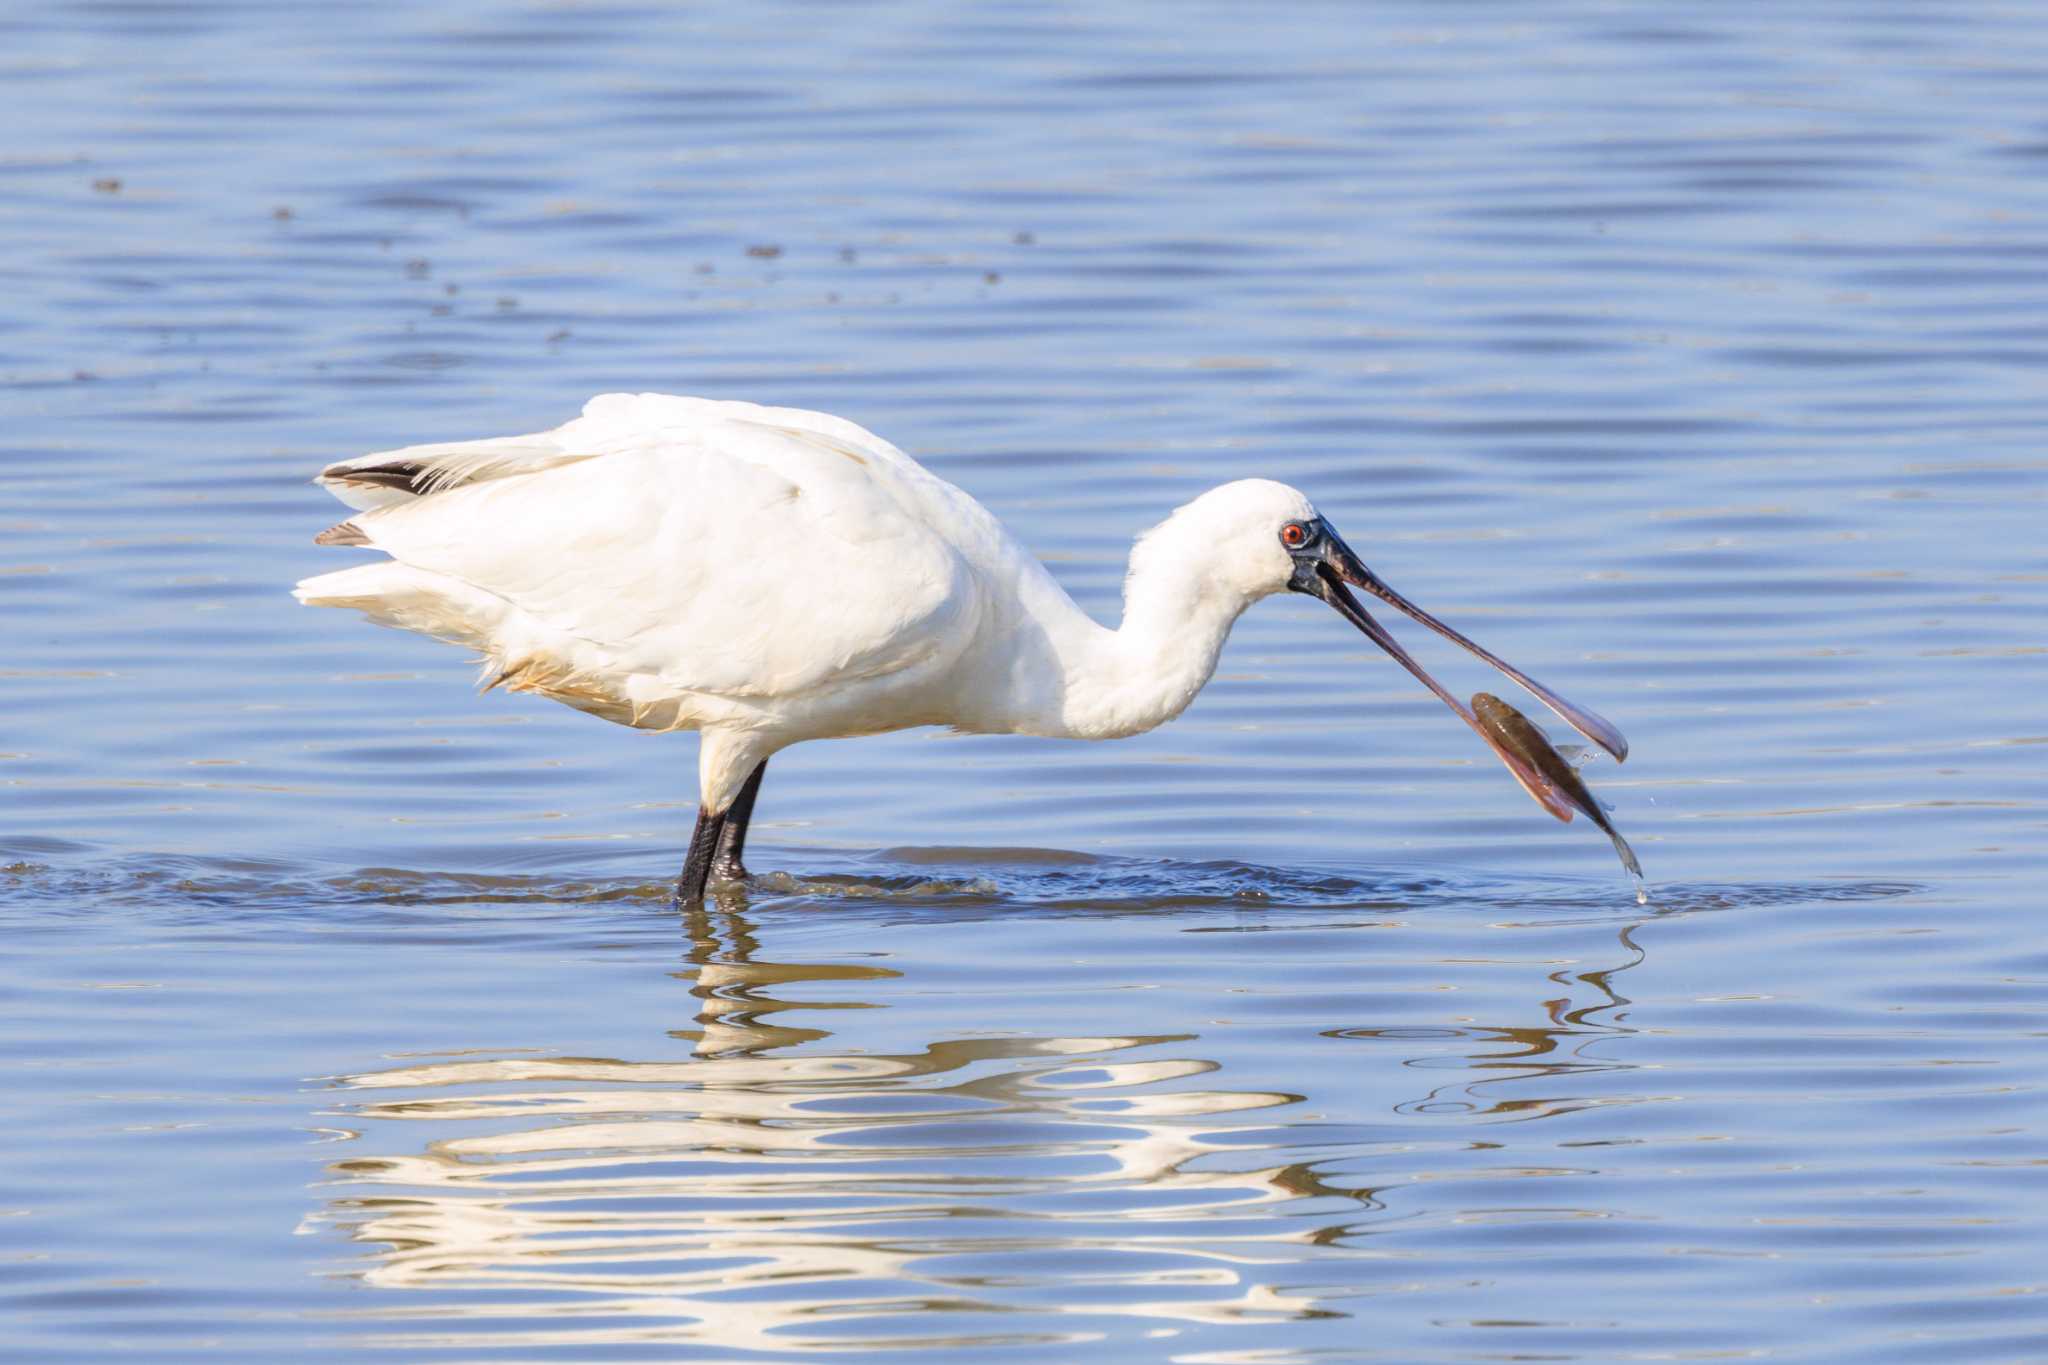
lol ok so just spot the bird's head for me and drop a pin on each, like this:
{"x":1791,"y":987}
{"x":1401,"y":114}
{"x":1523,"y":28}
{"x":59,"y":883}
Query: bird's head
{"x":1264,"y":537}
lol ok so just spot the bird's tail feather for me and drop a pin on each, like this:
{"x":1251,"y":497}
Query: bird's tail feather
{"x":395,"y":594}
{"x":515,"y":652}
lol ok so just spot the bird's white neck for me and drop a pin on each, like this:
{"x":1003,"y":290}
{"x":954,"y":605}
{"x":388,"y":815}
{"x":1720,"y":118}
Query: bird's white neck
{"x":1146,"y":672}
{"x":1095,"y":683}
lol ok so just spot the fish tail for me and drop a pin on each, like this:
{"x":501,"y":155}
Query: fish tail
{"x":1628,"y":855}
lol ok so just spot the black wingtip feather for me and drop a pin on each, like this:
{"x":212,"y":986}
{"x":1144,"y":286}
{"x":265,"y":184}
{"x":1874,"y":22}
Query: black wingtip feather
{"x":406,"y":476}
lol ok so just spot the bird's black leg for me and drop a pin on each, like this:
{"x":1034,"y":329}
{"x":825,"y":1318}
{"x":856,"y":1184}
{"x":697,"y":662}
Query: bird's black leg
{"x":732,"y":839}
{"x":697,"y":866}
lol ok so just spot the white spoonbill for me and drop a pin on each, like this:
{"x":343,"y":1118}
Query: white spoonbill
{"x":767,"y":575}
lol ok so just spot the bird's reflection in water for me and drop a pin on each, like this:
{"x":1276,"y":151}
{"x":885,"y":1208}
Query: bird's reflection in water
{"x":770,"y":1193}
{"x":774,"y":1192}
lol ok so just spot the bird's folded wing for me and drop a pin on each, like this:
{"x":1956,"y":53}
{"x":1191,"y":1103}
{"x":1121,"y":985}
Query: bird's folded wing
{"x":716,"y":555}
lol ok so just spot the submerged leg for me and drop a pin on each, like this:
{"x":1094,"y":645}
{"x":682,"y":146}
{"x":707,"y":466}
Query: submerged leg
{"x":697,"y":866}
{"x":732,"y":839}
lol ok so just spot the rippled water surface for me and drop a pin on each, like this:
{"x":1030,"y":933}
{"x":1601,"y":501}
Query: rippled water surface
{"x":1692,"y":359}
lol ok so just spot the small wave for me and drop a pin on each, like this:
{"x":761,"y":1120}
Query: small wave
{"x":899,"y":881}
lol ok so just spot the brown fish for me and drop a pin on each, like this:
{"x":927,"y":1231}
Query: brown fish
{"x":1527,"y":753}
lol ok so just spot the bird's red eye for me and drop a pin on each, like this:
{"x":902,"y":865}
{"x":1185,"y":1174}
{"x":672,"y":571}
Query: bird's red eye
{"x":1294,"y":535}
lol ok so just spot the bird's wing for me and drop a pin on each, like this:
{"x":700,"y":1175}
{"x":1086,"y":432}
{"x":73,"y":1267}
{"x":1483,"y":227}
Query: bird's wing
{"x":610,"y":422}
{"x":715,"y":553}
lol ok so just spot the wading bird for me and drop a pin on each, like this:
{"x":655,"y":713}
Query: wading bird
{"x":767,"y":575}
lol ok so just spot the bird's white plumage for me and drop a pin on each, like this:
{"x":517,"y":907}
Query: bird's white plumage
{"x":768,"y":575}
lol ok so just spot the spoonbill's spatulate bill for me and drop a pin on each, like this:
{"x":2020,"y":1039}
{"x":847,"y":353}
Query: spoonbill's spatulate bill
{"x":768,"y":575}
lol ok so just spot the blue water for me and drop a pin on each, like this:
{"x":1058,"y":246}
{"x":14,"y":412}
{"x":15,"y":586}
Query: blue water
{"x":1691,"y":360}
